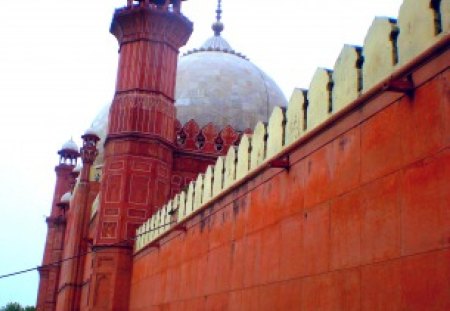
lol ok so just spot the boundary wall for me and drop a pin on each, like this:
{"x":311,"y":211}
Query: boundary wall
{"x":340,"y":202}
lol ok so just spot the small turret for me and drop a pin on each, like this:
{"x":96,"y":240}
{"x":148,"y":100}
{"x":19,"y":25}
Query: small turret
{"x":89,"y":150}
{"x":69,"y":153}
{"x":64,"y":202}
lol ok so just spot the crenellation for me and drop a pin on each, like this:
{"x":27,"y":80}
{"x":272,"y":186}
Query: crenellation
{"x":166,"y":216}
{"x":319,"y":98}
{"x":243,"y":157}
{"x":218,"y":175}
{"x":175,"y":208}
{"x":230,"y":167}
{"x":418,"y":27}
{"x":259,"y":139}
{"x":190,"y":198}
{"x":296,"y":115}
{"x":347,"y":77}
{"x":276,"y":131}
{"x":182,"y":205}
{"x":387,"y":46}
{"x":198,"y":192}
{"x":157,"y":222}
{"x":380,"y":51}
{"x":140,"y":242}
{"x":445,"y":16}
{"x":208,"y":184}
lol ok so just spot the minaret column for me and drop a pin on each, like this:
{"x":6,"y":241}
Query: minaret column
{"x":76,"y":242}
{"x":139,"y":145}
{"x":56,"y":226}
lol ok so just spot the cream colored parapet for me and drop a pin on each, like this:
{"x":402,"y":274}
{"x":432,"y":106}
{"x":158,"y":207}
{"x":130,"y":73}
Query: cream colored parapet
{"x":296,"y":116}
{"x":387,"y":45}
{"x":139,"y":239}
{"x":275,"y":132}
{"x":258,"y":153}
{"x":175,"y":207}
{"x":150,"y":230}
{"x":243,"y":158}
{"x":230,"y":167}
{"x":198,"y":192}
{"x":218,"y":176}
{"x":380,"y":51}
{"x":157,"y":223}
{"x":190,"y":198}
{"x":146,"y":232}
{"x":319,"y":98}
{"x":420,"y":21}
{"x":207,"y":184}
{"x":445,"y":15}
{"x":347,"y":77}
{"x":182,"y":205}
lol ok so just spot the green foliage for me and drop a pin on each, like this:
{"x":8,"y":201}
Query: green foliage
{"x":14,"y":306}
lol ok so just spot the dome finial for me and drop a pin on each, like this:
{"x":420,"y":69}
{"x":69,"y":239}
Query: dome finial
{"x":217,"y":27}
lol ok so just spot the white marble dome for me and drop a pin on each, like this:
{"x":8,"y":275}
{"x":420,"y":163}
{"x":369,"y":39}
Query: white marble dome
{"x":66,"y":197}
{"x":70,"y":145}
{"x":216,"y":84}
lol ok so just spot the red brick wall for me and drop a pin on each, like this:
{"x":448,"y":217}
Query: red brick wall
{"x":360,"y":222}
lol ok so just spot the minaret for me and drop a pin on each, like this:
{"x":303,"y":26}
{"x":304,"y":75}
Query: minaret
{"x":56,"y":224}
{"x":76,"y":240}
{"x":139,"y":145}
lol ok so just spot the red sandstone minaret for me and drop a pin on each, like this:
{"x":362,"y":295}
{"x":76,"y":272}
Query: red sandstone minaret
{"x":56,"y":223}
{"x":76,"y":241}
{"x":139,"y":146}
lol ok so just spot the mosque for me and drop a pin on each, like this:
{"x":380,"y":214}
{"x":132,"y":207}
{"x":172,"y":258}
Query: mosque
{"x":202,"y":188}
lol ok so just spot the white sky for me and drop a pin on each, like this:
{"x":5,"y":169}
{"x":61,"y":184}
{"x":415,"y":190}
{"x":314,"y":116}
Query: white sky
{"x":58,"y":66}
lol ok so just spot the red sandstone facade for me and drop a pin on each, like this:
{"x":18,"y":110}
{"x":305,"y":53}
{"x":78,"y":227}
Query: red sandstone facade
{"x":359,"y":221}
{"x":149,"y":156}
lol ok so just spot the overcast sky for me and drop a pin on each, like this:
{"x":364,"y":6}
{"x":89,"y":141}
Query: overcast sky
{"x":58,"y":67}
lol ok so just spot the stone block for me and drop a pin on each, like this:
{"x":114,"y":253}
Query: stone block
{"x":316,"y":239}
{"x":345,"y":231}
{"x":332,"y":291}
{"x":381,"y":140}
{"x":381,"y":286}
{"x":425,"y":201}
{"x":380,"y":220}
{"x":292,"y":249}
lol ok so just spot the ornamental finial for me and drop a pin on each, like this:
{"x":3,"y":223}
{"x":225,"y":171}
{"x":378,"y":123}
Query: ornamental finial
{"x":217,"y":27}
